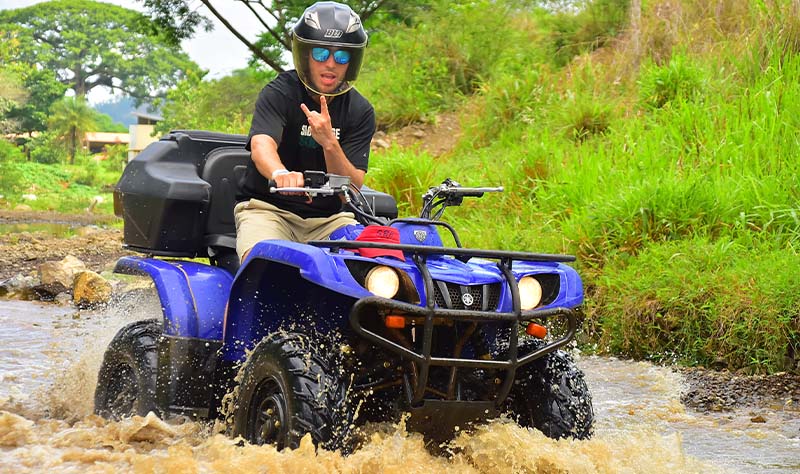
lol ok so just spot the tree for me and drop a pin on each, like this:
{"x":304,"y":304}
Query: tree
{"x":90,"y":44}
{"x":224,"y":105}
{"x":70,"y":119}
{"x":12,"y":93}
{"x":178,"y":21}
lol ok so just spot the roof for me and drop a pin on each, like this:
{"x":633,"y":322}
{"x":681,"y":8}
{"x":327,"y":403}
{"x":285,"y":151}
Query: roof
{"x":146,"y":116}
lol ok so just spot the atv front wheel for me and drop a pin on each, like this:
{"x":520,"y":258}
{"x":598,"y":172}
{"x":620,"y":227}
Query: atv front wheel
{"x":287,"y":389}
{"x":126,"y":383}
{"x":550,"y":395}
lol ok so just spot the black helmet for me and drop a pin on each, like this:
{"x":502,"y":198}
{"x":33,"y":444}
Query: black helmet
{"x":334,"y":25}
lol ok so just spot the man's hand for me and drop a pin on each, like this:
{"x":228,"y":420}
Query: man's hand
{"x":320,"y":123}
{"x":291,"y":179}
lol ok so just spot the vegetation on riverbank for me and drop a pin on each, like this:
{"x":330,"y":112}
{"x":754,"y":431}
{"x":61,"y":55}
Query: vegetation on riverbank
{"x":670,"y":169}
{"x":661,"y":150}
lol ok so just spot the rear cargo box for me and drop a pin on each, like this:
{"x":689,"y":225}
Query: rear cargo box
{"x":163,"y":200}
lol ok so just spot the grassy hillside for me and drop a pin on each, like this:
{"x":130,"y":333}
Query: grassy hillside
{"x":665,"y":158}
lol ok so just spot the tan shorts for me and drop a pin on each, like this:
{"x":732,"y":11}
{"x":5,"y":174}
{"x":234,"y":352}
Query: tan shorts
{"x":258,"y":220}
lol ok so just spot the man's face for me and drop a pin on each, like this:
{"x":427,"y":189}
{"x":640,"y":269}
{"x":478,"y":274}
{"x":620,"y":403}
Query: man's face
{"x":329,"y":73}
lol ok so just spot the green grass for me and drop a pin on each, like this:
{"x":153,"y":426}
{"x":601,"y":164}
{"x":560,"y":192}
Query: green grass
{"x":61,"y":188}
{"x":676,"y":184}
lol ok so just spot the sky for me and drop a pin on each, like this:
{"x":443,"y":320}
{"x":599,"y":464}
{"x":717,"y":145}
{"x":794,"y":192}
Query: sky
{"x":217,"y":51}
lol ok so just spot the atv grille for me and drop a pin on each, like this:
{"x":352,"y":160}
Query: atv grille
{"x":479,"y":297}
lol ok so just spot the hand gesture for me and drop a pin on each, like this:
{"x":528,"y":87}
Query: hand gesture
{"x":320,"y":123}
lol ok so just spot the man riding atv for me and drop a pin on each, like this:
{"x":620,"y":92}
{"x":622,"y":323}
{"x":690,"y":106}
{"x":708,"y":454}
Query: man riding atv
{"x":310,"y":118}
{"x":317,"y":336}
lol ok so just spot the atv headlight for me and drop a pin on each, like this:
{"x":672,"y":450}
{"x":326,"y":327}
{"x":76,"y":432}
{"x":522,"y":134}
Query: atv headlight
{"x":530,"y":292}
{"x":383,"y":281}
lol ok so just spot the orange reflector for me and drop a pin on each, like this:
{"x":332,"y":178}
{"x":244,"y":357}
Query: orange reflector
{"x":536,"y":330}
{"x":395,"y":322}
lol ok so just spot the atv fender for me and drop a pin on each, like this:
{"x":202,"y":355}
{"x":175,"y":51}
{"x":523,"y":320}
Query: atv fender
{"x":284,"y":283}
{"x":193,"y":295}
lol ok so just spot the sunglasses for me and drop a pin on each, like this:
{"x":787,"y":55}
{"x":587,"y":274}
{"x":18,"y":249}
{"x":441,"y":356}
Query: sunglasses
{"x":322,"y":54}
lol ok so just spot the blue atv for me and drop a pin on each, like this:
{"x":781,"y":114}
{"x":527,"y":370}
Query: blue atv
{"x":380,"y":320}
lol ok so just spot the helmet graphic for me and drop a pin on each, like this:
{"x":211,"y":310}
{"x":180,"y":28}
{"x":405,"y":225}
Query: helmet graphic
{"x":325,"y":29}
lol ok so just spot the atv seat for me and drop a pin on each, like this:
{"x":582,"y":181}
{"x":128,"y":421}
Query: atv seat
{"x":223,"y":169}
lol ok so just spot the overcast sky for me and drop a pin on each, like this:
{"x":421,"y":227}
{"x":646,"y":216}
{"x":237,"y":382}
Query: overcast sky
{"x":218,"y":51}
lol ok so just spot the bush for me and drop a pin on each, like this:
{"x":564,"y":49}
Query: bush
{"x":704,"y":302}
{"x":9,"y":175}
{"x":222,"y":105}
{"x":413,"y":72}
{"x":47,"y":149}
{"x":680,"y":80}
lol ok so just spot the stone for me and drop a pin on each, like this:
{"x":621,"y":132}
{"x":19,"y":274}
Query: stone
{"x":380,"y":143}
{"x":90,"y":289}
{"x":62,"y":272}
{"x":18,"y":287}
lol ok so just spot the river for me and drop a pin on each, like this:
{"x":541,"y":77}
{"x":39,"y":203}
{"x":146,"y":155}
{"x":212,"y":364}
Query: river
{"x":50,"y":355}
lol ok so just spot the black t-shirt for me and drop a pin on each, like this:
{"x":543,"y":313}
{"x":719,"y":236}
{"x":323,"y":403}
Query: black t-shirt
{"x":278,"y":115}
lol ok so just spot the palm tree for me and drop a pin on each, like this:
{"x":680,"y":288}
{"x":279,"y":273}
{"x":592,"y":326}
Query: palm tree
{"x":70,"y":119}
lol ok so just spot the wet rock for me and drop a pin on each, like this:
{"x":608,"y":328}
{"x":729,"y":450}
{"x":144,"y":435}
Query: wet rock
{"x":63,"y":299}
{"x":758,"y":419}
{"x":18,"y":287}
{"x":61,"y":273}
{"x":48,"y":292}
{"x":90,"y":289}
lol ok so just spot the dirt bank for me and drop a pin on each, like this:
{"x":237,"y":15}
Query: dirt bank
{"x":89,"y":238}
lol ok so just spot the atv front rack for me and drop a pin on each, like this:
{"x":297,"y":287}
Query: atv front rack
{"x":424,"y":360}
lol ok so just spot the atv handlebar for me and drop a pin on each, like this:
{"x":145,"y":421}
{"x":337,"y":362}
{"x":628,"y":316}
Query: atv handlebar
{"x":434,"y":201}
{"x":449,"y":193}
{"x":317,"y":183}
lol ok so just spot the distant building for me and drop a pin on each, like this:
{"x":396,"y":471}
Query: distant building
{"x":97,"y":141}
{"x":141,"y":133}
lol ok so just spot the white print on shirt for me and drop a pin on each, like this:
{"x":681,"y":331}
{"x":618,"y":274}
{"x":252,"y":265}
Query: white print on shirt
{"x":305,"y":131}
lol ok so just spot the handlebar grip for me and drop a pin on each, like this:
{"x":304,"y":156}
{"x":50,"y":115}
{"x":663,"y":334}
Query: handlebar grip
{"x":475,"y":192}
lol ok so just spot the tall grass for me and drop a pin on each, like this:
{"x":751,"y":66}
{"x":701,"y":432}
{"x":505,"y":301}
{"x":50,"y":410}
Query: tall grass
{"x":677,"y":185}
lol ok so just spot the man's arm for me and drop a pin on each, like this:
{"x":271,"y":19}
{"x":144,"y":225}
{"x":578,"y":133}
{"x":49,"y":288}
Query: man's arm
{"x":264,"y":153}
{"x":322,"y":131}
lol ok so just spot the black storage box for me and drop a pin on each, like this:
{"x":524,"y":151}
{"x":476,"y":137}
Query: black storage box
{"x":163,"y":200}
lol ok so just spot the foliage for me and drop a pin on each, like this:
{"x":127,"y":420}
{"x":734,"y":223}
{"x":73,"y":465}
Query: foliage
{"x":56,"y":189}
{"x":584,"y":27}
{"x":224,"y":105}
{"x":733,"y":309}
{"x":442,"y":57}
{"x":70,"y":119}
{"x":104,"y":123}
{"x":679,"y":80}
{"x":9,"y":177}
{"x":43,"y":90}
{"x":679,"y":195}
{"x":90,"y":44}
{"x":12,"y":95}
{"x":46,"y":148}
{"x":178,"y":19}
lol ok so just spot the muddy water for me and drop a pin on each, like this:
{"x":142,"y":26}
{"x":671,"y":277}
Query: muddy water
{"x":49,"y":357}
